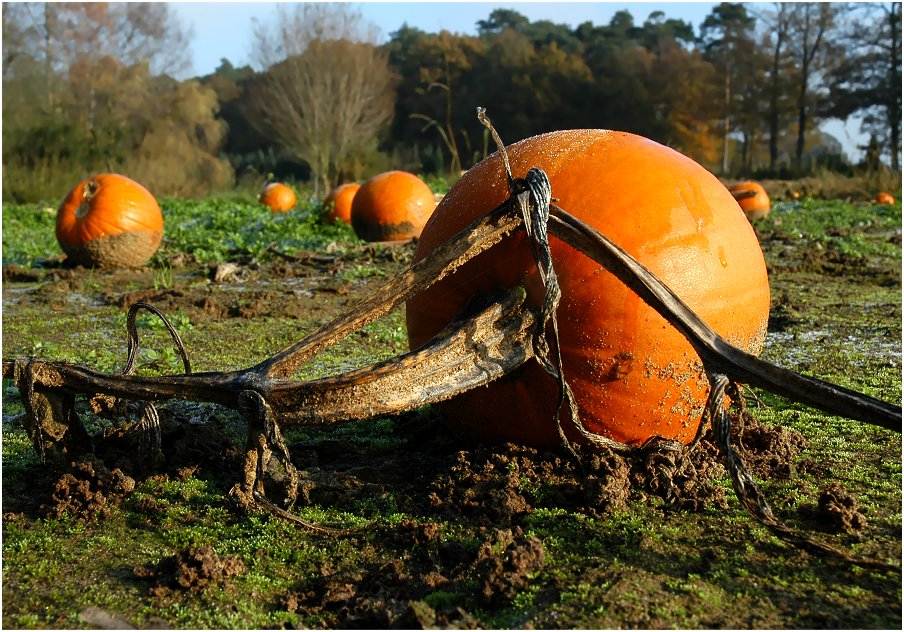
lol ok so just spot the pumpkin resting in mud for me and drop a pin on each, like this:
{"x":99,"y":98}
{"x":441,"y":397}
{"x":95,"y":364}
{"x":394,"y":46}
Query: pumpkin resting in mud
{"x":109,"y":221}
{"x":392,"y":206}
{"x":339,"y":202}
{"x":278,"y":197}
{"x":884,"y":198}
{"x":633,"y":375}
{"x":752,"y":198}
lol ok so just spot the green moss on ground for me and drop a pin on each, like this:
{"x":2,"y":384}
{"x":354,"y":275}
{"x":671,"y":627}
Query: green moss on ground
{"x":836,"y":314}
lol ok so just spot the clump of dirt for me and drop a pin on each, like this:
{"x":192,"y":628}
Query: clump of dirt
{"x":88,"y":490}
{"x":769,"y":451}
{"x":606,"y":483}
{"x":192,"y":569}
{"x":20,"y":274}
{"x":373,"y":597}
{"x":392,"y":593}
{"x":685,"y":479}
{"x":838,"y":511}
{"x":486,"y":485}
{"x":499,"y":485}
{"x":502,"y":575}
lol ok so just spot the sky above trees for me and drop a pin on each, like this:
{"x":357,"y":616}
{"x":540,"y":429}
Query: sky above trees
{"x":226,"y":30}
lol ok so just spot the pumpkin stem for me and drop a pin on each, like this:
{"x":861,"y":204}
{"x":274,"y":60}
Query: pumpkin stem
{"x":485,"y":121}
{"x":89,"y":190}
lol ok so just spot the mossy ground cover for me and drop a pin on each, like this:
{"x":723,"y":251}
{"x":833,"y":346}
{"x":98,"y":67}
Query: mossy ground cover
{"x":418,"y":560}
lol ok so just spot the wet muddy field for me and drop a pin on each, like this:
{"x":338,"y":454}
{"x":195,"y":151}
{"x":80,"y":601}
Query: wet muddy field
{"x":430,"y":529}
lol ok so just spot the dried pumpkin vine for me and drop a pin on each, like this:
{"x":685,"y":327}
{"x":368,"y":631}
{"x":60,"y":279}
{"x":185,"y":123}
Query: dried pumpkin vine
{"x":491,"y":339}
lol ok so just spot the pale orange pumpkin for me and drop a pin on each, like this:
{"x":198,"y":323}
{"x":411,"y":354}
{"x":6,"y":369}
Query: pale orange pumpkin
{"x":109,"y":221}
{"x":392,"y":206}
{"x":752,"y":198}
{"x":339,"y":202}
{"x":278,"y":197}
{"x":633,"y":375}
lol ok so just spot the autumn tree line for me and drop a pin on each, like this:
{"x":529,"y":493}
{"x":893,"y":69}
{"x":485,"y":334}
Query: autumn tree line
{"x":89,"y":87}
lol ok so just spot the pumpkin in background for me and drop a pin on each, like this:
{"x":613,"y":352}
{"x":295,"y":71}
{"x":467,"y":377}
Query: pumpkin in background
{"x":278,"y":197}
{"x":752,"y":198}
{"x":633,"y":375}
{"x":392,"y":206}
{"x":339,"y":202}
{"x":109,"y":221}
{"x":885,"y":198}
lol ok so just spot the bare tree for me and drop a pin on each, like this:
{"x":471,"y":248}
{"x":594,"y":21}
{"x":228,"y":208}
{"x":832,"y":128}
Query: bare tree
{"x":326,"y":90}
{"x":778,"y":23}
{"x":810,"y":24}
{"x":60,"y":34}
{"x":867,"y":82}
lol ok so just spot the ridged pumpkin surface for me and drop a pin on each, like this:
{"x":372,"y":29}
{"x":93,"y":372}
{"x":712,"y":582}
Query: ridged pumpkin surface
{"x":109,"y":220}
{"x":633,"y":375}
{"x":392,"y":206}
{"x":885,"y":198}
{"x":339,"y":202}
{"x":752,"y":198}
{"x":278,"y":197}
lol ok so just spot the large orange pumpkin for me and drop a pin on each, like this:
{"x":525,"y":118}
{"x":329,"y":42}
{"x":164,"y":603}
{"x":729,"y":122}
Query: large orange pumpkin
{"x":634,"y":376}
{"x":278,"y":197}
{"x":109,"y":221}
{"x":885,"y":198}
{"x":752,"y":198}
{"x":339,"y":202}
{"x":392,"y":206}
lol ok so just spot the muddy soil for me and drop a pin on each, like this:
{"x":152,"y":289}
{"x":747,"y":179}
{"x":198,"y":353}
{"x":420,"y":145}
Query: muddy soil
{"x":192,"y":569}
{"x":303,"y":286}
{"x":419,"y":465}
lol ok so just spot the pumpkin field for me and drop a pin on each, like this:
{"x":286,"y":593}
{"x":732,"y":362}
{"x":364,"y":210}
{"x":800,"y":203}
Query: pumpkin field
{"x":438,"y":316}
{"x":409,"y":521}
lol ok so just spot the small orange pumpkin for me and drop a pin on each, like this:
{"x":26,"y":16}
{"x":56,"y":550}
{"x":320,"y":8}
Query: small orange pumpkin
{"x":752,"y":198}
{"x":109,"y":221}
{"x":339,"y":202}
{"x":392,"y":206}
{"x":633,"y":375}
{"x":885,"y":198}
{"x":278,"y":197}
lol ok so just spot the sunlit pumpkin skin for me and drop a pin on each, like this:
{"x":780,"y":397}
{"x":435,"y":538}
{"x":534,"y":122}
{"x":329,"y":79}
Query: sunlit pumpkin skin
{"x":278,"y":197}
{"x":885,"y":198}
{"x":339,"y":202}
{"x":634,"y":376}
{"x":392,"y":206}
{"x":109,"y":221}
{"x":752,"y":198}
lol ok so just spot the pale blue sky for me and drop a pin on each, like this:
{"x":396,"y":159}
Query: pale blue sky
{"x":223,"y":29}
